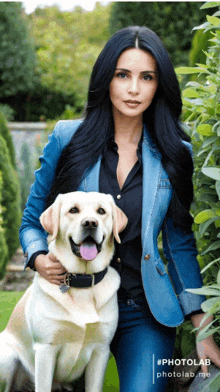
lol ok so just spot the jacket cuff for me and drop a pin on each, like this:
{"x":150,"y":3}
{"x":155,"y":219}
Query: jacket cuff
{"x":190,"y":302}
{"x":31,"y":262}
{"x":36,"y":246}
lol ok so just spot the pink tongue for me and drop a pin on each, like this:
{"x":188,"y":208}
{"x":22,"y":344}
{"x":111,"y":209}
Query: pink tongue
{"x":88,"y":251}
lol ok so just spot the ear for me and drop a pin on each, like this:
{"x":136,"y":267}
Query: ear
{"x":50,"y":218}
{"x":120,"y":221}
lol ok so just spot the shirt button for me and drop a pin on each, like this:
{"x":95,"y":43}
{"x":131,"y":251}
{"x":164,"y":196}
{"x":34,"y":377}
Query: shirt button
{"x":118,"y":197}
{"x":147,"y":257}
{"x":118,"y":260}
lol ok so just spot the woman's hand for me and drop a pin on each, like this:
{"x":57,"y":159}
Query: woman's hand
{"x":207,"y":348}
{"x":50,"y":268}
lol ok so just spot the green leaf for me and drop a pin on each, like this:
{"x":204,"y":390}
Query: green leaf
{"x":207,"y":141}
{"x":214,"y":286}
{"x":203,"y":216}
{"x":190,"y":93}
{"x":187,"y":70}
{"x":204,"y":291}
{"x":204,"y":129}
{"x":203,"y":335}
{"x":217,"y":225}
{"x":212,"y":172}
{"x":217,"y":187}
{"x":209,"y":303}
{"x":215,"y":245}
{"x":204,"y":226}
{"x":210,"y":4}
{"x":212,"y":89}
{"x":209,"y":265}
{"x":213,"y":20}
{"x":202,"y":26}
{"x":218,"y":277}
{"x":218,"y":131}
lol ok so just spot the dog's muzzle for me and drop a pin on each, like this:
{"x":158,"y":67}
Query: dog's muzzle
{"x":88,"y":249}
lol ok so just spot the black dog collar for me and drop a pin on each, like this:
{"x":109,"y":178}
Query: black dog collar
{"x":82,"y":280}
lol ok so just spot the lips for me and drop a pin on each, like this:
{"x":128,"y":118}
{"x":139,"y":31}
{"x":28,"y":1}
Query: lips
{"x":87,"y":250}
{"x":132,"y":102}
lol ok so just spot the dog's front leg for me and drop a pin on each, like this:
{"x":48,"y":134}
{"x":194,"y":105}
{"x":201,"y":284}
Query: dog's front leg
{"x":45,"y":360}
{"x":95,"y":371}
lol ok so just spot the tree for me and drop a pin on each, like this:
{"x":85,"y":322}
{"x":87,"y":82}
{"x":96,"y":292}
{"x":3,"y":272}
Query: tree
{"x":67,"y":45}
{"x":172,"y":21}
{"x":17,"y":57}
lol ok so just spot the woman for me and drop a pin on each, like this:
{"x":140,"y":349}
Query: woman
{"x":131,"y":145}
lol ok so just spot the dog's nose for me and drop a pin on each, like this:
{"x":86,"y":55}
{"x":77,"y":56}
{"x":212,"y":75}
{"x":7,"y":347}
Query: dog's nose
{"x":89,"y":223}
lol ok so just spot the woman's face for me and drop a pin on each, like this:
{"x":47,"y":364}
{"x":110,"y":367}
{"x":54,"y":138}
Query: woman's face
{"x":134,"y":83}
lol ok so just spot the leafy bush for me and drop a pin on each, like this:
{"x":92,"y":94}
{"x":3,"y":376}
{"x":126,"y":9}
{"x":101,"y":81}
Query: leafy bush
{"x":7,"y":112}
{"x":5,"y":133}
{"x":3,"y":246}
{"x":10,"y":200}
{"x":202,"y":113}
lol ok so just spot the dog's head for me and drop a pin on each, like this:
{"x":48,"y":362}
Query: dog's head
{"x":83,"y":224}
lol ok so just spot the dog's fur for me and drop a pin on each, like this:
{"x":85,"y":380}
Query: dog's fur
{"x":53,"y":337}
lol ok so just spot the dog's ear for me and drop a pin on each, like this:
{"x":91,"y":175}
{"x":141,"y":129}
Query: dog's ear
{"x":50,"y":218}
{"x":120,"y":221}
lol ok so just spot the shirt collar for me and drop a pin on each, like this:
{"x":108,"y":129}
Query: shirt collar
{"x":113,"y":146}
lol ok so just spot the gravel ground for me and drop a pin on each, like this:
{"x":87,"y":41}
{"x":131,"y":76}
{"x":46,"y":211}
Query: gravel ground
{"x":16,"y":279}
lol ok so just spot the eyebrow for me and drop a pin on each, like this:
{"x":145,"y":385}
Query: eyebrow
{"x":127,"y":70}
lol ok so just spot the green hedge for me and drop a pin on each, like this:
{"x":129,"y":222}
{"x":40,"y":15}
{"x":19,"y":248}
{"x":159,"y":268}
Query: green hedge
{"x":202,"y":113}
{"x":10,"y":200}
{"x":3,"y":245}
{"x":5,"y":133}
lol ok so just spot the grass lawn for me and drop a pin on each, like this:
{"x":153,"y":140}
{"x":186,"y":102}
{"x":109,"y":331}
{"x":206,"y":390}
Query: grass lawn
{"x":8,"y":300}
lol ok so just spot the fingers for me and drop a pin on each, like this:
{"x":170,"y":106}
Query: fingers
{"x":50,"y":268}
{"x":52,"y":257}
{"x":207,"y":349}
{"x":54,"y":265}
{"x":200,"y":346}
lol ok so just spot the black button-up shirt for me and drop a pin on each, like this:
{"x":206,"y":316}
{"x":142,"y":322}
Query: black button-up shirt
{"x":127,"y":258}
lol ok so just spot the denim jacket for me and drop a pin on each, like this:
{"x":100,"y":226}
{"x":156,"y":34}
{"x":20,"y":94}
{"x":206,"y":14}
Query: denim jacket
{"x":169,"y":302}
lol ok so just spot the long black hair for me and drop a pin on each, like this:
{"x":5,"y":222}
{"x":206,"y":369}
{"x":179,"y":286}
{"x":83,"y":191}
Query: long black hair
{"x":162,"y":118}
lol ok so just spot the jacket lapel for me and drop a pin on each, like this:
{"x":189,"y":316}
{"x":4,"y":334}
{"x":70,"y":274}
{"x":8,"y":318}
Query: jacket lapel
{"x":152,"y":169}
{"x":91,"y":181}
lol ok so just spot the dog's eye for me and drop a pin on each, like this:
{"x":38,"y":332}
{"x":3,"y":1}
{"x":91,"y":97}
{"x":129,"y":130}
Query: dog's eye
{"x":101,"y":211}
{"x":74,"y":210}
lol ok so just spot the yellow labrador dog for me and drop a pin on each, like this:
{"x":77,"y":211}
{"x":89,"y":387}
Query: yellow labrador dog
{"x":57,"y":332}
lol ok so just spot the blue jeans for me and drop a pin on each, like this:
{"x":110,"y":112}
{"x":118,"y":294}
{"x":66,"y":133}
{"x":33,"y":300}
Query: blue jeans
{"x":140,"y":342}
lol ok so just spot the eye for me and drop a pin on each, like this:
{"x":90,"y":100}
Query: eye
{"x":147,"y":77}
{"x":74,"y":210}
{"x":121,"y":75}
{"x":101,"y":211}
